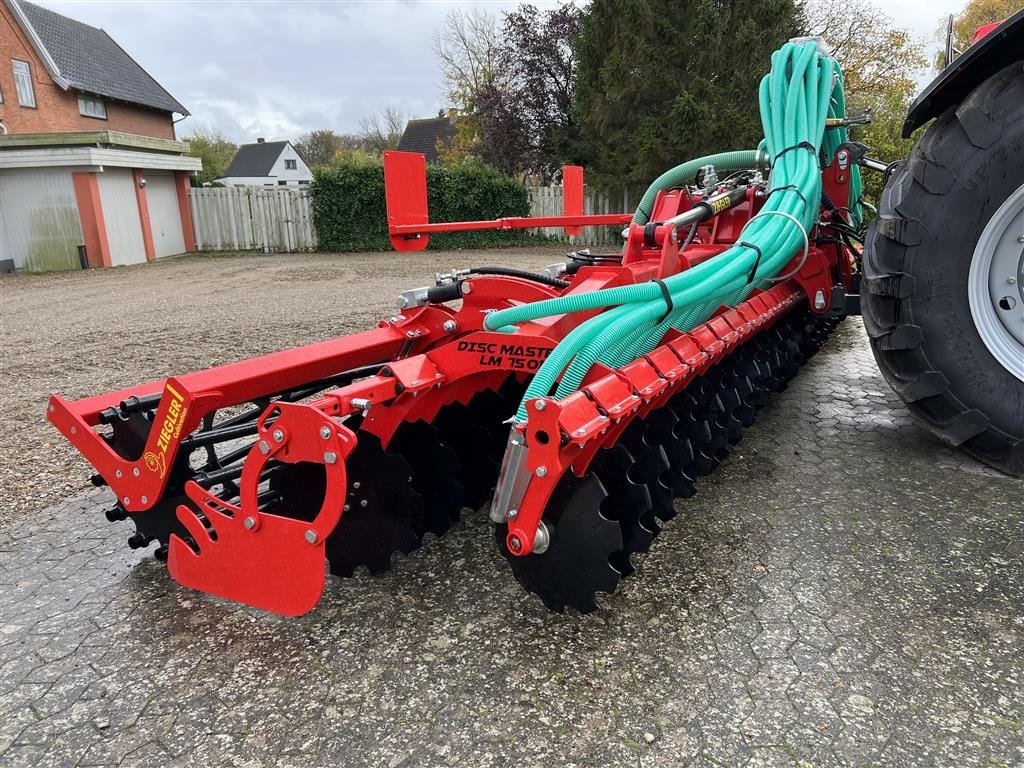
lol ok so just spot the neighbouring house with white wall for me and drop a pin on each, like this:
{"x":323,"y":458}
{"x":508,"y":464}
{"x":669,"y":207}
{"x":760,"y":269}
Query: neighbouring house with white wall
{"x":268,"y":164}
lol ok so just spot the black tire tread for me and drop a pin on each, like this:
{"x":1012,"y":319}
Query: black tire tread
{"x":908,"y":209}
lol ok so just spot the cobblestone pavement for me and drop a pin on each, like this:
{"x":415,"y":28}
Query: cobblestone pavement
{"x":843,"y":591}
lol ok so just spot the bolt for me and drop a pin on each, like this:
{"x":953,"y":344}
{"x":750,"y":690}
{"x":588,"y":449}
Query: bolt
{"x":126,"y":501}
{"x":1020,"y":239}
{"x":363,"y":503}
{"x":1011,"y":279}
{"x":311,"y":536}
{"x":541,"y":405}
{"x":515,"y":544}
{"x":450,"y":326}
{"x":249,"y":523}
{"x":581,"y":431}
{"x":330,"y":457}
{"x":135,"y":471}
{"x":347,"y":508}
{"x":512,"y":514}
{"x":74,"y":430}
{"x":117,"y":473}
{"x":264,"y":448}
{"x":542,"y":471}
{"x":50,"y":408}
{"x":356,"y":485}
{"x":819,"y":299}
{"x":325,"y":433}
{"x":361,"y":403}
{"x":145,"y":500}
{"x":410,"y":334}
{"x":278,"y":436}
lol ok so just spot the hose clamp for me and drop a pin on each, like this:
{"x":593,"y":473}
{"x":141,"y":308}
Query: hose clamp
{"x":803,"y":233}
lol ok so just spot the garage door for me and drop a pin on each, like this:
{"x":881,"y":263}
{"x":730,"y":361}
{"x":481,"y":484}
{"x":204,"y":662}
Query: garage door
{"x":121,"y":217}
{"x":164,"y":215}
{"x":39,"y":227}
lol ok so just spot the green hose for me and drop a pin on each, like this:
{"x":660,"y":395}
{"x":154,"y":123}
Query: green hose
{"x":681,"y":174}
{"x":801,"y":90}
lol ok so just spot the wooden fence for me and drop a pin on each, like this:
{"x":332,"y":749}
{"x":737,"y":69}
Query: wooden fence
{"x":547,"y":201}
{"x":280,"y":220}
{"x":269,"y":219}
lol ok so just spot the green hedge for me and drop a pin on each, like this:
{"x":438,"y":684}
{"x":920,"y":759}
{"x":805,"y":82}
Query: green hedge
{"x":349,"y":211}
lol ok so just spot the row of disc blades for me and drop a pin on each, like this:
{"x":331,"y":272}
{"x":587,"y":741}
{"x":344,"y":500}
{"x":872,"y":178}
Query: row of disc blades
{"x":616,"y":509}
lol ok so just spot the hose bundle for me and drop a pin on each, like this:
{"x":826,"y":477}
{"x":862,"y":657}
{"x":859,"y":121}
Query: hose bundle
{"x":803,"y":88}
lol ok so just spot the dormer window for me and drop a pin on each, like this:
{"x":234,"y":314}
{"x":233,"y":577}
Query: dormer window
{"x":92,"y":106}
{"x":23,"y":83}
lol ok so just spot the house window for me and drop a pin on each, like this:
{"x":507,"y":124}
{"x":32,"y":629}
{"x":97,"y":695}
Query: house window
{"x":282,"y":183}
{"x":23,"y":83}
{"x":92,"y":106}
{"x":290,"y":165}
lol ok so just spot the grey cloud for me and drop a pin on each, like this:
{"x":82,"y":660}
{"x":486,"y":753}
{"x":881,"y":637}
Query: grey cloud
{"x":279,"y":69}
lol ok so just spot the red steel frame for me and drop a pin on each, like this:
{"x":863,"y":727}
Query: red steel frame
{"x":431,"y":356}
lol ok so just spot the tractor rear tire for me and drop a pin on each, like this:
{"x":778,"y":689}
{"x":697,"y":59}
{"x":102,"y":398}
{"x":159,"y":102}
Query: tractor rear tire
{"x":942,"y":333}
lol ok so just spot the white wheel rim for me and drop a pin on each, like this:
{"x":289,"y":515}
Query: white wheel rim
{"x":995,"y":285}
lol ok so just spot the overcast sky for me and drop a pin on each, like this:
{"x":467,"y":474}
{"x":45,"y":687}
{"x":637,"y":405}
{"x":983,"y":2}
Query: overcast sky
{"x":279,"y":69}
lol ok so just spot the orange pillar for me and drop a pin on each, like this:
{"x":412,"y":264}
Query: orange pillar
{"x":181,"y":185}
{"x":90,"y":213}
{"x":143,"y":201}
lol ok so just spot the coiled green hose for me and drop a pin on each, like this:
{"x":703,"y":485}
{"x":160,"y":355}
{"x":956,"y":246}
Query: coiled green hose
{"x":803,"y":87}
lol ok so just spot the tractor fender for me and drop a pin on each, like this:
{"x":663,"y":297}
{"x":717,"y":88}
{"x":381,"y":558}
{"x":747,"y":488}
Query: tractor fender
{"x":992,"y":53}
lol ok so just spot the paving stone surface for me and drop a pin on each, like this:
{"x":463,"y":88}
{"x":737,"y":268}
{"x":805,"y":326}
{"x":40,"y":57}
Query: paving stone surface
{"x":843,"y":591}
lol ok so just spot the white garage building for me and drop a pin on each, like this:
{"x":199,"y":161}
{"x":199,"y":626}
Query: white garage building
{"x":108,"y":198}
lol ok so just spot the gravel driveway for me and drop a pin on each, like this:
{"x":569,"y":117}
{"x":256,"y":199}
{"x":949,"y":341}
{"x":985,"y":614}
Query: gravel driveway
{"x":85,"y":333}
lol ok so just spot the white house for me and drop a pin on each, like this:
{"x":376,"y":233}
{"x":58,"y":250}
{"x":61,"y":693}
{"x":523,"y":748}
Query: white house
{"x":268,"y":164}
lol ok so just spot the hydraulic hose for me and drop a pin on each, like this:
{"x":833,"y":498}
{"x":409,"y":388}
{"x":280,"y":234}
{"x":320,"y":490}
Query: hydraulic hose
{"x":802,"y":88}
{"x":522,"y":274}
{"x":723,"y":161}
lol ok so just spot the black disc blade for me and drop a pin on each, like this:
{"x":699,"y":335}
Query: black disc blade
{"x":435,"y":469}
{"x":383,"y":514}
{"x":576,"y":565}
{"x":474,"y":446}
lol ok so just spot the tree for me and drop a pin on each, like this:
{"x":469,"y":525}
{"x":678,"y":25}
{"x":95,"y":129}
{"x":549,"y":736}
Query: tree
{"x":319,"y":147}
{"x":467,"y":49}
{"x":214,"y":149}
{"x":975,"y":14}
{"x":382,"y":131}
{"x":880,"y":65}
{"x":527,"y":122}
{"x":661,"y":81}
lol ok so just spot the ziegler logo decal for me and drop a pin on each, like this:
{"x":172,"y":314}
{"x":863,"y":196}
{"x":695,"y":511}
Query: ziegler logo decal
{"x":516,"y":357}
{"x":156,"y":461}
